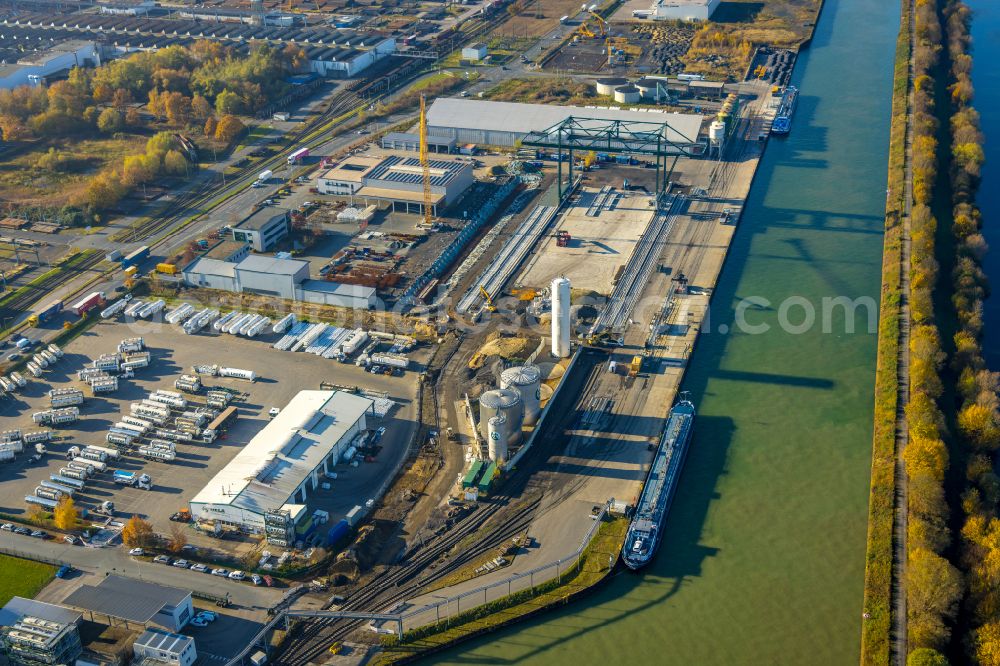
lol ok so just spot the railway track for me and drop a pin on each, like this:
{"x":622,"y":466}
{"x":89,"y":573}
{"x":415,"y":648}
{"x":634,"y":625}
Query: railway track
{"x":315,"y":133}
{"x":387,"y":589}
{"x":310,"y":639}
{"x":31,"y":294}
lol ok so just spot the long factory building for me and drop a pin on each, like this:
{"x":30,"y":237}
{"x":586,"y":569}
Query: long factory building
{"x":397,"y":181}
{"x":283,"y":463}
{"x":506,"y":123}
{"x":332,"y":53}
{"x":271,"y":276}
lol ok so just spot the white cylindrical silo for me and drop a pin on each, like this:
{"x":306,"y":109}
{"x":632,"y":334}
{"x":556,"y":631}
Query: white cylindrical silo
{"x":498,"y":437}
{"x":627,"y":94}
{"x":560,"y":317}
{"x":526,"y":380}
{"x":717,"y":132}
{"x":607,"y":86}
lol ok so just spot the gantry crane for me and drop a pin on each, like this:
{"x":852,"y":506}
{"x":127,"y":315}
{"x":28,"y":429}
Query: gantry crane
{"x":425,"y":161}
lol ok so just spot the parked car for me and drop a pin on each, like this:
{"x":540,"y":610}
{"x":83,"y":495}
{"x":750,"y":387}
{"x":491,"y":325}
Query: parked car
{"x":39,"y":534}
{"x":220,"y":572}
{"x":162,"y":559}
{"x":71,"y":539}
{"x":268,"y":580}
{"x":274,"y":411}
{"x":199,"y":567}
{"x":64,"y":571}
{"x":198,"y":622}
{"x":7,"y":527}
{"x":256,"y":579}
{"x":137,"y":552}
{"x":237,"y":575}
{"x":182,"y":564}
{"x":208,"y":616}
{"x":22,"y":530}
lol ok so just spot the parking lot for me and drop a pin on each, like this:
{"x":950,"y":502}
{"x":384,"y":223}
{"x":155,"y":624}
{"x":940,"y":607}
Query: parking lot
{"x":280,"y":376}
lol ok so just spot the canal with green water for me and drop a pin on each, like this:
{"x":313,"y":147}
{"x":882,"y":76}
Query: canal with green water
{"x":763,"y":557}
{"x":986,"y":79}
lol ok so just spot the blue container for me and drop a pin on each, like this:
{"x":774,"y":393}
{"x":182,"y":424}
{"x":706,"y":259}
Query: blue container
{"x":337,"y":532}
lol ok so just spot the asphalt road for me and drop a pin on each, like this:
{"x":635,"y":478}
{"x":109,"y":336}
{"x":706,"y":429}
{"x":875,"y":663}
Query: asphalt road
{"x":101,"y":561}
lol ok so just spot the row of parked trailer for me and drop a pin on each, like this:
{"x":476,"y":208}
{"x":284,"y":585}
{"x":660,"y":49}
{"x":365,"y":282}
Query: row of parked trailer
{"x":82,"y":466}
{"x":12,"y":383}
{"x":238,"y":323}
{"x":12,"y":443}
{"x":42,"y":359}
{"x":190,"y":320}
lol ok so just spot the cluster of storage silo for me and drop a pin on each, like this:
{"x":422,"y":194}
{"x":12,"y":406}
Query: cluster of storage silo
{"x":503,"y":411}
{"x":648,"y":88}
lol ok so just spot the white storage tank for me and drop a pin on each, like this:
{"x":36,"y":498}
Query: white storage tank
{"x":627,"y":94}
{"x":502,"y":402}
{"x":647,"y":87}
{"x":607,"y":86}
{"x":526,"y":380}
{"x":560,"y":317}
{"x":717,"y":132}
{"x":498,"y":434}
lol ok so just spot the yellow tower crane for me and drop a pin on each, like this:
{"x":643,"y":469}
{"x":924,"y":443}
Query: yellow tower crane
{"x":425,"y":161}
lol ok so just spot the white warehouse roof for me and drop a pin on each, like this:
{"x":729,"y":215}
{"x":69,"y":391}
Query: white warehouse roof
{"x":476,"y":114}
{"x":272,"y":465}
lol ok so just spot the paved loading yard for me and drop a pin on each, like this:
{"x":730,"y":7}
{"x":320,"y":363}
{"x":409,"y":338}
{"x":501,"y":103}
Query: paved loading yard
{"x":600,"y":244}
{"x":281,"y":376}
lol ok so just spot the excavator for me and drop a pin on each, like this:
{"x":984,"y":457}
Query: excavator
{"x":488,"y":299}
{"x":602,"y":24}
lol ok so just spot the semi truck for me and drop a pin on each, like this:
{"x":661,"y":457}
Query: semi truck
{"x":298,"y":156}
{"x":92,"y":300}
{"x":129,"y":478}
{"x":135,"y":257}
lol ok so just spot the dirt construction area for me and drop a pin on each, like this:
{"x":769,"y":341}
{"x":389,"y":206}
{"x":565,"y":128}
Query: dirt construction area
{"x":280,"y":375}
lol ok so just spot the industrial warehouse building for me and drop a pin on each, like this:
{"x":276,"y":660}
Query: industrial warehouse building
{"x":136,"y":601}
{"x":397,"y":181}
{"x":411,"y":142}
{"x":270,"y":276}
{"x":33,"y":69}
{"x":345,"y":60}
{"x":283,"y":463}
{"x":682,"y":10}
{"x":506,"y":123}
{"x":263,"y":229}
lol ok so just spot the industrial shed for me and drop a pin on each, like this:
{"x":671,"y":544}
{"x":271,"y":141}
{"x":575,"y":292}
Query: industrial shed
{"x":335,"y":293}
{"x":505,"y":123}
{"x":270,"y":276}
{"x":34,"y":68}
{"x":411,"y":142}
{"x":136,"y":601}
{"x":340,"y":61}
{"x":207,"y":273}
{"x":282,"y":464}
